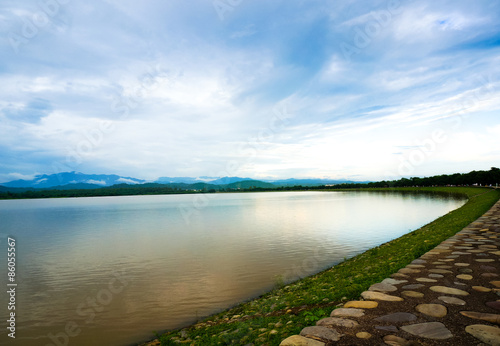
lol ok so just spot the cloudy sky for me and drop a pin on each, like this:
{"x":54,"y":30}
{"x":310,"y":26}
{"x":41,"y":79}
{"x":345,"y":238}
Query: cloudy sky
{"x":338,"y":89}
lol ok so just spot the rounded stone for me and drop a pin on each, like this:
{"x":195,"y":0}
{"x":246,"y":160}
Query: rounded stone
{"x":487,"y":334}
{"x":465,"y":277}
{"x":408,"y":271}
{"x":321,"y":333}
{"x":481,"y":289}
{"x":394,"y":340}
{"x":436,"y":276}
{"x":433,"y":310}
{"x":495,"y":283}
{"x":412,"y":294}
{"x":452,"y":300}
{"x":462,"y":264}
{"x":363,"y":335}
{"x":493,"y":318}
{"x":372,"y":295}
{"x":484,"y":260}
{"x":380,"y":287}
{"x":415,"y":266}
{"x":347,"y":312}
{"x":425,"y":280}
{"x":297,"y":340}
{"x":487,"y":247}
{"x":391,"y":281}
{"x":412,"y":287}
{"x":361,"y":304}
{"x":337,"y":322}
{"x":429,"y":330}
{"x":440,"y":271}
{"x":449,"y":290}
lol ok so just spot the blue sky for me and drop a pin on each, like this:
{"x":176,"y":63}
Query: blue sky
{"x":264,"y":89}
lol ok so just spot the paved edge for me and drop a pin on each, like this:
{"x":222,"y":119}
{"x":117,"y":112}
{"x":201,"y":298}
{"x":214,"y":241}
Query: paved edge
{"x":448,"y":296}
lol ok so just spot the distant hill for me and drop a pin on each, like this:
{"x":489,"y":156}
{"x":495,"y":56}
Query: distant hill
{"x":203,"y":179}
{"x":77,"y":186}
{"x":76,"y":180}
{"x":313,"y":182}
{"x":247,"y":184}
{"x":62,"y":179}
{"x":177,"y":180}
{"x":280,"y":182}
{"x":74,"y":184}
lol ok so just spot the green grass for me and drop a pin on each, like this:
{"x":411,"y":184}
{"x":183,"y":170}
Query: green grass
{"x":284,"y":311}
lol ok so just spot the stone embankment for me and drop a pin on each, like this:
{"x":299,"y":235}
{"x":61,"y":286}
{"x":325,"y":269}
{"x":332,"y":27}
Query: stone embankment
{"x":449,"y":296}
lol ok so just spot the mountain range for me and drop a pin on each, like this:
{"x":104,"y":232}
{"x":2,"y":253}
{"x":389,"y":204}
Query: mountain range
{"x":77,"y":180}
{"x":70,"y":178}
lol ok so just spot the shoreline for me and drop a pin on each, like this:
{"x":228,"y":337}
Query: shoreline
{"x":449,"y":295}
{"x":283,"y":311}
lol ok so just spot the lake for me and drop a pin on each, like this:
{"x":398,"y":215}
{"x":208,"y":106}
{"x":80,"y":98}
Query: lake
{"x":111,"y":270}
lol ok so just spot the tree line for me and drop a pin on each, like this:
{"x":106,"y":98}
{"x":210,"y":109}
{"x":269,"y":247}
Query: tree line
{"x":474,"y":178}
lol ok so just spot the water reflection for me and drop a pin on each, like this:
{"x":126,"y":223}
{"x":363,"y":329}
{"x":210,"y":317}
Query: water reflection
{"x":114,"y":269}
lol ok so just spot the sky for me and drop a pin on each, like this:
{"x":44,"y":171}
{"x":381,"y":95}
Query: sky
{"x":360,"y":90}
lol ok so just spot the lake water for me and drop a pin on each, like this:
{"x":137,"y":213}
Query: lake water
{"x":111,"y":270}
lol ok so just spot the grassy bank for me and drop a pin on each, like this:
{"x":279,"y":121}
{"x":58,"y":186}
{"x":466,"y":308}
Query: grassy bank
{"x":286,"y":310}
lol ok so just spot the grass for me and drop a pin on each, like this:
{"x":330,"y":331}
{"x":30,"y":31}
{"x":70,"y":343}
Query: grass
{"x":287,"y":309}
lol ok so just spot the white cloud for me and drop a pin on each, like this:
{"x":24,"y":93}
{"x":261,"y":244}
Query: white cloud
{"x":17,"y":176}
{"x":97,"y":182}
{"x":184,"y":91}
{"x":127,"y":181}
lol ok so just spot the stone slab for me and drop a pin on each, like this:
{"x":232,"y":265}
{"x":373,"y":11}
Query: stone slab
{"x":449,"y":290}
{"x":322,"y":333}
{"x":452,"y":300}
{"x":433,"y":310}
{"x":391,"y":281}
{"x":380,"y":287}
{"x":487,"y":334}
{"x":347,"y":312}
{"x":371,"y":295}
{"x":429,"y":330}
{"x":493,"y":318}
{"x":297,"y":340}
{"x":413,"y":287}
{"x":412,"y":294}
{"x":361,"y":304}
{"x":363,"y":335}
{"x":337,"y":322}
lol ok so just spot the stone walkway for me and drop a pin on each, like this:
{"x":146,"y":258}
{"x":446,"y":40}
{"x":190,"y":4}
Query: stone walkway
{"x":449,"y":296}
